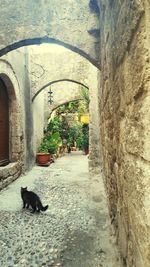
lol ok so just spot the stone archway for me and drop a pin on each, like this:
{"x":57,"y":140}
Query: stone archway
{"x":65,"y":90}
{"x":58,"y":81}
{"x":15,"y":129}
{"x":48,"y":40}
{"x":39,"y":108}
{"x":14,"y":118}
{"x":71,"y":24}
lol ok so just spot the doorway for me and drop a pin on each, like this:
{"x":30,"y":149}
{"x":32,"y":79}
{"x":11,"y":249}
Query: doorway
{"x":4,"y":125}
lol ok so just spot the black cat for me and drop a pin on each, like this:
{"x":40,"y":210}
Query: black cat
{"x":31,"y":199}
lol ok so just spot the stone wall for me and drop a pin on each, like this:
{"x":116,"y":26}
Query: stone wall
{"x":95,"y":163}
{"x":125,"y":123}
{"x":13,"y":71}
{"x":9,"y":173}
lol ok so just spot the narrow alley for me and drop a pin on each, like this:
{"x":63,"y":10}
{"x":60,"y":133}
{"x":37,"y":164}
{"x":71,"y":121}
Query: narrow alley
{"x":75,"y":231}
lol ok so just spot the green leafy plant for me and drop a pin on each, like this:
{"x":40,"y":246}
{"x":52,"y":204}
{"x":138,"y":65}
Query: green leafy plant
{"x":79,"y":142}
{"x":75,"y":134}
{"x":54,"y":125}
{"x":53,"y":141}
{"x":83,"y":141}
{"x":43,"y":148}
{"x":86,"y":99}
{"x":52,"y":148}
{"x":50,"y":143}
{"x":85,"y":137}
{"x":64,"y":127}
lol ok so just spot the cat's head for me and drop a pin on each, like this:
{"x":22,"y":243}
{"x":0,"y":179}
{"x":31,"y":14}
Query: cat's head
{"x":23,"y":189}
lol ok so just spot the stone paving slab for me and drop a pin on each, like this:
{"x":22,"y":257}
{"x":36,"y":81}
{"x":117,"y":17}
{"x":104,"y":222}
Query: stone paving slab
{"x":73,"y":232}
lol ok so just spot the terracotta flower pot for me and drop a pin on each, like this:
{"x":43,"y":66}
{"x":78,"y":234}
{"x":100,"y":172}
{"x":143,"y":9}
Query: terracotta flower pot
{"x":43,"y":159}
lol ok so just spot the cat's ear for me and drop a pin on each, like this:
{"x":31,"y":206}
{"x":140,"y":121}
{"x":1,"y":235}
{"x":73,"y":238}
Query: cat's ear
{"x":25,"y":188}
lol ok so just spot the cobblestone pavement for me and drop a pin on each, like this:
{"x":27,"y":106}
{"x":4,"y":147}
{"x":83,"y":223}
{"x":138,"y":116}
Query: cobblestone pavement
{"x":73,"y":232}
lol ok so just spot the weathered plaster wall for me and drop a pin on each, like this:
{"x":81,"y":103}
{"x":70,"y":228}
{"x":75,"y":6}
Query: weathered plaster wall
{"x":39,"y":120}
{"x":51,"y":63}
{"x":125,"y":123}
{"x":13,"y":71}
{"x":71,"y":23}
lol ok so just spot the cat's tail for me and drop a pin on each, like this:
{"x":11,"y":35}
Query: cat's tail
{"x":44,"y":208}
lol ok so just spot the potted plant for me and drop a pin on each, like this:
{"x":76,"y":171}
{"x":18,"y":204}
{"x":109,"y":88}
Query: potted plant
{"x":43,"y":157}
{"x":54,"y":143}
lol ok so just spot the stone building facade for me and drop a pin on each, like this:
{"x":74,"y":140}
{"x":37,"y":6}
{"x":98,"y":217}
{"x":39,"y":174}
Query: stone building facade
{"x":112,"y":34}
{"x":125,"y":123}
{"x":14,"y":76}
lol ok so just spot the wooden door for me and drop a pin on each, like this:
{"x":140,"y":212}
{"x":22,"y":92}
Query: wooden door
{"x":4,"y":125}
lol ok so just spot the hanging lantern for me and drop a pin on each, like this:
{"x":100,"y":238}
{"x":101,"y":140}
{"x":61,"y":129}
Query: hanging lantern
{"x":50,"y":96}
